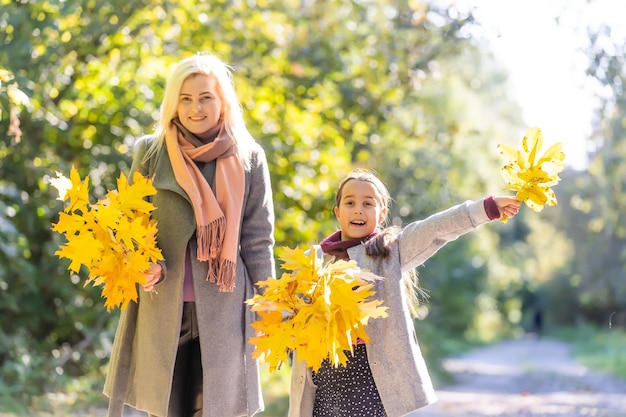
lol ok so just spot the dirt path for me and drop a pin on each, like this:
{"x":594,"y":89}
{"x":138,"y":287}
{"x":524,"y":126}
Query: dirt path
{"x":528,"y":377}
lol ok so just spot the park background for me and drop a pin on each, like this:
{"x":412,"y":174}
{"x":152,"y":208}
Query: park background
{"x":411,"y":89}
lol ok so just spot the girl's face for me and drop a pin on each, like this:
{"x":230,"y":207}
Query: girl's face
{"x":199,"y":103}
{"x":360,"y":209}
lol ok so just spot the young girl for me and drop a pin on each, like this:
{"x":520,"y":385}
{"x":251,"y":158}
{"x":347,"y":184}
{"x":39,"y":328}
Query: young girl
{"x":387,"y":377}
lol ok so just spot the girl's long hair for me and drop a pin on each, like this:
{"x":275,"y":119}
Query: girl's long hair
{"x":207,"y":64}
{"x":378,"y":246}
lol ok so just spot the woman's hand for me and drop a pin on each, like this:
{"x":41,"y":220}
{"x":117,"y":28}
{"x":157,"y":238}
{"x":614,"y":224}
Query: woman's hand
{"x":508,"y":206}
{"x":153,"y":276}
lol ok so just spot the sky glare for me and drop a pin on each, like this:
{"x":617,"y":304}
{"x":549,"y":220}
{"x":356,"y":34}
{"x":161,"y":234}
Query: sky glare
{"x":540,"y":42}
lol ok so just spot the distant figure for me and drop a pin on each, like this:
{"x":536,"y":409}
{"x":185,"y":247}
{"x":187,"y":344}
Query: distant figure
{"x":538,"y":321}
{"x":532,"y":309}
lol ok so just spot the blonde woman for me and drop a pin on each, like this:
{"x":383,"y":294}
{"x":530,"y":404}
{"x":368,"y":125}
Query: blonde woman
{"x":182,"y":350}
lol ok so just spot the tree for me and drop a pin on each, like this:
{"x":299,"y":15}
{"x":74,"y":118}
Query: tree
{"x":321,"y":92}
{"x":594,"y":217}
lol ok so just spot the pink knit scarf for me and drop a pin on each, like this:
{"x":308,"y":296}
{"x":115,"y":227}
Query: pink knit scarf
{"x":217,"y":214}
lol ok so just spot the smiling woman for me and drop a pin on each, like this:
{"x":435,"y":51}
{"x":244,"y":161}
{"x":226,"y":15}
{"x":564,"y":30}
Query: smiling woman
{"x":182,"y":350}
{"x":200,"y":106}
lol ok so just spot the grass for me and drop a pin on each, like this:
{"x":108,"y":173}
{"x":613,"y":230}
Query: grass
{"x":599,"y":348}
{"x":275,"y":390}
{"x":83,"y":397}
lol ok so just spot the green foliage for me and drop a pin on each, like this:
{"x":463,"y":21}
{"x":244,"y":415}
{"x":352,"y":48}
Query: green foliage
{"x":453,"y":279}
{"x":599,"y":347}
{"x":322,"y":92}
{"x":592,"y":278}
{"x":594,"y":204}
{"x":276,"y":390}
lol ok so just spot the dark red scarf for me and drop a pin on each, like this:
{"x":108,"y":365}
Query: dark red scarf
{"x":333,"y":245}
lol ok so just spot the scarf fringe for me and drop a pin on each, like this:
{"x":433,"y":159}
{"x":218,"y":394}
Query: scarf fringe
{"x":222,"y":271}
{"x":211,"y":239}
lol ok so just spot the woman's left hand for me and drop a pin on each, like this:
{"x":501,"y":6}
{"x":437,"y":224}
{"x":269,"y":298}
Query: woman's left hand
{"x":508,"y":206}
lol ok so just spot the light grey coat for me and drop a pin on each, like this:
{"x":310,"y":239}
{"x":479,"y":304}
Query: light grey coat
{"x":394,"y":355}
{"x":144,"y":351}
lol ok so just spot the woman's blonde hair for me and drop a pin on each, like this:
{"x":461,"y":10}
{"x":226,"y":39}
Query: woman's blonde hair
{"x":232,"y":112}
{"x":378,"y":246}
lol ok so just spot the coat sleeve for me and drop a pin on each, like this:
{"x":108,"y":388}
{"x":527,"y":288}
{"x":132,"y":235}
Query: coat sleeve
{"x":139,"y":153}
{"x":422,"y":239}
{"x":257,"y":229}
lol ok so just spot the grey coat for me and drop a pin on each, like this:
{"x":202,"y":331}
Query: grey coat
{"x":394,"y":355}
{"x":144,"y":351}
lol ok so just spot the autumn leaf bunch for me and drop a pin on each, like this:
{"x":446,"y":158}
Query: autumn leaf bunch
{"x":115,"y":238}
{"x":317,"y":309}
{"x":530,"y":174}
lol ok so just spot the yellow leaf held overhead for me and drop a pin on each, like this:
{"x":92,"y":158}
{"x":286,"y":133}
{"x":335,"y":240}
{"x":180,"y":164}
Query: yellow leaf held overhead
{"x":531,"y":176}
{"x":114,"y":239}
{"x":317,"y":309}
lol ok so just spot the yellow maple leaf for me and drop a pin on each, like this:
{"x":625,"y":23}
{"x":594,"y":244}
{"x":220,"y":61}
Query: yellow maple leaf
{"x":531,"y":176}
{"x":78,"y":193}
{"x":134,"y":194}
{"x":114,"y":238}
{"x":271,"y":333}
{"x":81,"y":249}
{"x":318,"y":309}
{"x":296,"y":260}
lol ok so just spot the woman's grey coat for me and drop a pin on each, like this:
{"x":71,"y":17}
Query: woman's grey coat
{"x":394,"y":355}
{"x":146,"y":342}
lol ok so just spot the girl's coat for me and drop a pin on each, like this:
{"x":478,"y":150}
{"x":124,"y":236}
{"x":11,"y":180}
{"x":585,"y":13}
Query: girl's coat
{"x":146,"y":342}
{"x":394,"y":355}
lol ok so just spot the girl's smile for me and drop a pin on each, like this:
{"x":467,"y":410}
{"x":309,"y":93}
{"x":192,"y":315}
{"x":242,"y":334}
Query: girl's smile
{"x":360,"y":209}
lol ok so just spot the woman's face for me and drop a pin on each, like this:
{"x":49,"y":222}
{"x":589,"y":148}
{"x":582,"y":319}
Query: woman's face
{"x":199,"y":103}
{"x":360,"y":209}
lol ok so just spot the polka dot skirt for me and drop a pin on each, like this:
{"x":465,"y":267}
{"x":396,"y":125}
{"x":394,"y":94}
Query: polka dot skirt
{"x":347,"y":391}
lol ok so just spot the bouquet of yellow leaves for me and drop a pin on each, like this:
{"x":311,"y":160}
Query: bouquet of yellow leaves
{"x":531,"y":175}
{"x":318,"y":310}
{"x":115,"y":238}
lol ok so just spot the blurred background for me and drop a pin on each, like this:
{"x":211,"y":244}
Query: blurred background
{"x":420,"y":91}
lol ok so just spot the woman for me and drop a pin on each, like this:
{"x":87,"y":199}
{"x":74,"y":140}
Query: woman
{"x":182,"y":350}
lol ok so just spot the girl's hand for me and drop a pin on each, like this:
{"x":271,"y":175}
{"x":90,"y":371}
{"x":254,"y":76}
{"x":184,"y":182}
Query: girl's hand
{"x":153,"y":276}
{"x":508,"y":206}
